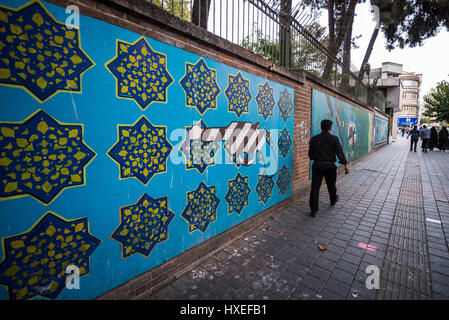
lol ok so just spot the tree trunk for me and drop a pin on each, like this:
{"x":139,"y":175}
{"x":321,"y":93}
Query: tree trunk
{"x":284,"y":33}
{"x":347,"y":53}
{"x":200,"y":12}
{"x":368,"y":53}
{"x":334,"y":46}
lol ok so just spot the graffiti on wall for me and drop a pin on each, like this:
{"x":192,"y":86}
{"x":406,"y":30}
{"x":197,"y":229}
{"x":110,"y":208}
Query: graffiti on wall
{"x":119,"y":152}
{"x":351,"y":124}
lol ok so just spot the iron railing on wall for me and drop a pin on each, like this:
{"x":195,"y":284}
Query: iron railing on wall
{"x":261,"y":25}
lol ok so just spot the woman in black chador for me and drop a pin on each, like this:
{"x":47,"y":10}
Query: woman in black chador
{"x":433,"y":142}
{"x":444,"y":139}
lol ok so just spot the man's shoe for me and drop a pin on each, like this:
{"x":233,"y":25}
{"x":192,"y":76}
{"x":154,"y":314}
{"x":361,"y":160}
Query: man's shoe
{"x":336,"y":200}
{"x":313,"y":213}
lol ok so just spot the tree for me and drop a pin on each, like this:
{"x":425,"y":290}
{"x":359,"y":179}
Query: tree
{"x":305,"y":55}
{"x":284,"y":32}
{"x":410,"y":22}
{"x":200,"y":12}
{"x":436,"y":103}
{"x":262,"y":46}
{"x":340,"y":18}
{"x":370,"y":47}
{"x":179,"y":8}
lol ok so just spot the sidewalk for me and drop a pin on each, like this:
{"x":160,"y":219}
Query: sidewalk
{"x":384,"y":202}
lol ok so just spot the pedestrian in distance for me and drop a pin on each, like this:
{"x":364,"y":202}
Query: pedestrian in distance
{"x":425,"y":137}
{"x":403,"y":131}
{"x":414,"y":137}
{"x":323,"y":150}
{"x":443,"y":141}
{"x":433,"y":142}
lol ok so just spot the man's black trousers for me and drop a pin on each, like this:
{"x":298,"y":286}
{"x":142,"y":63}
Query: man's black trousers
{"x":321,"y":169}
{"x":413,"y":142}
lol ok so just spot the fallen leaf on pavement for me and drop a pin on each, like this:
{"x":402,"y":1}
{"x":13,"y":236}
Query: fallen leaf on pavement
{"x":322,"y":247}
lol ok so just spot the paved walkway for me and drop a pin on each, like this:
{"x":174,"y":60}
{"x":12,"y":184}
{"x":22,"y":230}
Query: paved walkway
{"x":394,"y":200}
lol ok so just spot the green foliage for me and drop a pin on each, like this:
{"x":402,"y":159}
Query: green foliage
{"x":304,"y":55}
{"x":425,"y":119}
{"x":409,"y":22}
{"x":262,"y":45}
{"x":437,"y":103}
{"x":179,"y":8}
{"x":307,"y":56}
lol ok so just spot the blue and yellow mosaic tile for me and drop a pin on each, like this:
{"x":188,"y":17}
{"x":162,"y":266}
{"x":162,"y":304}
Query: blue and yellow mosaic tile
{"x":285,"y":105}
{"x":143,"y":225}
{"x":141,"y":150}
{"x":40,"y":157}
{"x":238,"y":94}
{"x":198,"y":154}
{"x":201,"y":208}
{"x":265,"y":100}
{"x":283,"y":181}
{"x":284,"y":142}
{"x":141,"y":73}
{"x":264,"y":187}
{"x":35,"y":262}
{"x":238,"y":194}
{"x":39,"y":53}
{"x":200,"y":86}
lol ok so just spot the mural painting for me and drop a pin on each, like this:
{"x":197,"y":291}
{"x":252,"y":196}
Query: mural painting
{"x":380,"y":129}
{"x":352,"y":125}
{"x":119,"y":152}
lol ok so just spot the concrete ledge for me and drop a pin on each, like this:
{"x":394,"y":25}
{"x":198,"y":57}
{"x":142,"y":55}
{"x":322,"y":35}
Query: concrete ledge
{"x":311,"y":77}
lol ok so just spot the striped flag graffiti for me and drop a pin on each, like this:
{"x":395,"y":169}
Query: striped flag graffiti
{"x":244,"y":138}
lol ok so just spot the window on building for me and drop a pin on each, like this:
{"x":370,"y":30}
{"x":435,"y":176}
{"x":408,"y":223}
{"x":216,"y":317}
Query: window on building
{"x":410,"y":83}
{"x":409,"y":95}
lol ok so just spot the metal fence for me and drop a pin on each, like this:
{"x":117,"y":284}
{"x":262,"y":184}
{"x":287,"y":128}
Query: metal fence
{"x":287,"y":36}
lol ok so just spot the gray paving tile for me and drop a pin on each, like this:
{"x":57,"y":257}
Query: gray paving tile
{"x":383,"y":203}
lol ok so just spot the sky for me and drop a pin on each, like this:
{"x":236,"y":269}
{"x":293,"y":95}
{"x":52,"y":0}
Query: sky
{"x":431,"y":59}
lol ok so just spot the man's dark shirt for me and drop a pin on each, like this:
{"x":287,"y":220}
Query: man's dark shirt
{"x":324,"y":147}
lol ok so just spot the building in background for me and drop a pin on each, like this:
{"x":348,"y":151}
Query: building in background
{"x":411,"y":85}
{"x":401,"y":88}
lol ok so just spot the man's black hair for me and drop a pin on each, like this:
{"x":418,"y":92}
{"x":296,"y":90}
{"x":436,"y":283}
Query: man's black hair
{"x":326,"y":125}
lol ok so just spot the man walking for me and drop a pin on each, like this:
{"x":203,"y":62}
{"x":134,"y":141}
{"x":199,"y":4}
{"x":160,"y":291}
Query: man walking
{"x":323,"y":149}
{"x":425,"y":136}
{"x":414,"y":137}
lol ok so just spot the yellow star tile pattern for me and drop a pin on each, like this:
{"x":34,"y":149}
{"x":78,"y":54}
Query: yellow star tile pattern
{"x":283,"y":181}
{"x":265,"y":100}
{"x":35,"y":262}
{"x":238,"y":94}
{"x":141,"y":73}
{"x":238,"y":194}
{"x":284,"y":142}
{"x":285,"y":105}
{"x":201,"y":208}
{"x":200,"y":86}
{"x":143,"y":225}
{"x":41,"y":156}
{"x":39,"y":53}
{"x":199,"y":154}
{"x":141,"y":150}
{"x":264,"y":187}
